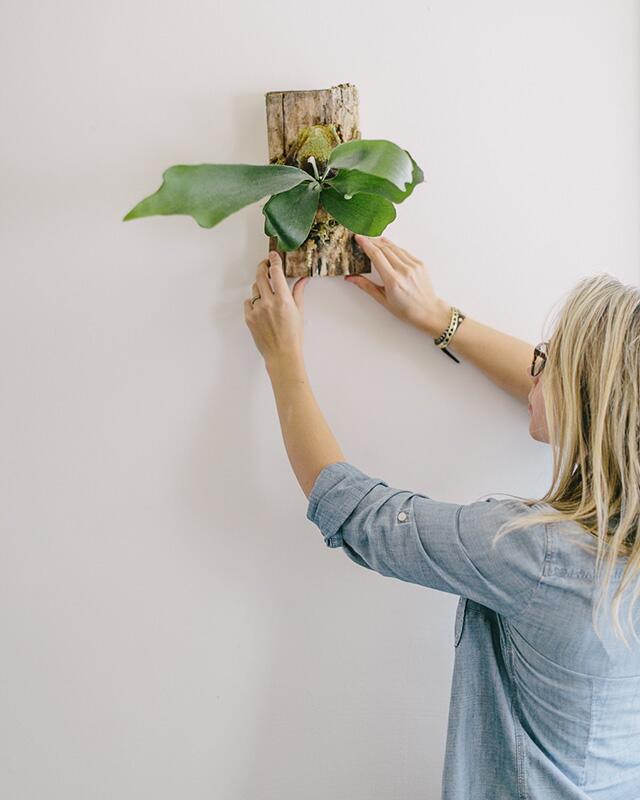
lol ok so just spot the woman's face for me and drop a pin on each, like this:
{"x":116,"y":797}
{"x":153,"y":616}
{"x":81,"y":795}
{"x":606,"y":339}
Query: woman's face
{"x":537,"y":416}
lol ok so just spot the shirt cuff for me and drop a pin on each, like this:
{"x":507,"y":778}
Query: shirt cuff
{"x":338,"y":489}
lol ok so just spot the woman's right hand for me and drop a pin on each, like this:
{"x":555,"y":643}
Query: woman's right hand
{"x":406,"y":291}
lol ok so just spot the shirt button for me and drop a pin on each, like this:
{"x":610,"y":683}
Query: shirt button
{"x":402,"y":516}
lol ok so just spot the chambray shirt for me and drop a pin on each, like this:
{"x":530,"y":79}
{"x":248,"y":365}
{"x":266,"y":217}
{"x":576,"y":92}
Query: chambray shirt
{"x":540,"y":708}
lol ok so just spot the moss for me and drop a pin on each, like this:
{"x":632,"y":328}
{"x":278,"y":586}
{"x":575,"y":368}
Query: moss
{"x":317,"y":141}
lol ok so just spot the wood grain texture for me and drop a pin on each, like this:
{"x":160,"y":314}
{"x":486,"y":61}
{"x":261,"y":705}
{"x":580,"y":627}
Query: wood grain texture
{"x":330,"y":248}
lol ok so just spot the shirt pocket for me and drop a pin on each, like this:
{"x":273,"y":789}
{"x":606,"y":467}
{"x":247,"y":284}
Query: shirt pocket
{"x":459,"y":624}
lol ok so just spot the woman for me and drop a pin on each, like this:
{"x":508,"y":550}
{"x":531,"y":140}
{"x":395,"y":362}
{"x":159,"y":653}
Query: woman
{"x":544,"y":704}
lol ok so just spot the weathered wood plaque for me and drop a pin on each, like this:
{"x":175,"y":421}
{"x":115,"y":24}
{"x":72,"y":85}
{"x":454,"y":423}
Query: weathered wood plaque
{"x":312,"y":122}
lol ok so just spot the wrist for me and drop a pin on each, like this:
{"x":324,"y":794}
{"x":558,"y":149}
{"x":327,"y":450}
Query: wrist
{"x":438,"y":318}
{"x":284,"y":363}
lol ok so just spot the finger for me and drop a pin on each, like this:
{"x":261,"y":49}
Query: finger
{"x":276,"y":272}
{"x":378,"y":258}
{"x":371,"y":288}
{"x":298,"y":291}
{"x":398,"y":261}
{"x":400,"y":252}
{"x":262,"y":280}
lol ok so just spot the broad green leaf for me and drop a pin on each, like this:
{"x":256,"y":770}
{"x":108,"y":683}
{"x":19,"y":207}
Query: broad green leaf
{"x":368,"y":214}
{"x":211,"y":192}
{"x":289,"y":215}
{"x":417,"y":175}
{"x":352,"y":181}
{"x":268,"y":228}
{"x":378,"y":157}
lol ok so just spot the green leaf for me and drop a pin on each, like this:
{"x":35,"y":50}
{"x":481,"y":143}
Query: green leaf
{"x":368,"y":214}
{"x":378,"y":157}
{"x":211,"y":192}
{"x":417,"y":175}
{"x":289,"y":215}
{"x":352,"y":181}
{"x":269,"y":230}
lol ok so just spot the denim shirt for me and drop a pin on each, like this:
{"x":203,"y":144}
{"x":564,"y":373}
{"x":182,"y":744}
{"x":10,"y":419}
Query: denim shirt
{"x":540,"y":708}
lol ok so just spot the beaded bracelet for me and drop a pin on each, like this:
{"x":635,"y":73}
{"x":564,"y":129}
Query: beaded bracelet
{"x":443,"y":340}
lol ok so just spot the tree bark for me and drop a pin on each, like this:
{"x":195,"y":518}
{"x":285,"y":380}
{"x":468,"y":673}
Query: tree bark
{"x":330,"y":248}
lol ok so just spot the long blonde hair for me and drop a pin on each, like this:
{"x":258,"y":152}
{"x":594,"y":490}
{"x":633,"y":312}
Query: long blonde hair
{"x":591,"y":390}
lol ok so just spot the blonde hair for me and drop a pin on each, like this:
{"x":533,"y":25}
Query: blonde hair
{"x":591,"y":390}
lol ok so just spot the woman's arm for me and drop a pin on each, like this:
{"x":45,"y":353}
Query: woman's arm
{"x":308,"y":440}
{"x":503,"y":358}
{"x":408,"y":293}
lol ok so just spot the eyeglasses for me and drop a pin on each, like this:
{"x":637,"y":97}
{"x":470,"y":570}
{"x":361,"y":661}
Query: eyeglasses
{"x":539,"y":358}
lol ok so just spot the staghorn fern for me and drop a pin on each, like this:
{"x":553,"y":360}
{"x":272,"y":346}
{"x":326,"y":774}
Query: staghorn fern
{"x":361,"y":181}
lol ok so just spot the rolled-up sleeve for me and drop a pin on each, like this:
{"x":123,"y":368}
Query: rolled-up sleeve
{"x":445,"y":546}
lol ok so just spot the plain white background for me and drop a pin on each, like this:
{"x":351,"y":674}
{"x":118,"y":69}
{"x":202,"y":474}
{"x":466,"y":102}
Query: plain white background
{"x":171,"y":624}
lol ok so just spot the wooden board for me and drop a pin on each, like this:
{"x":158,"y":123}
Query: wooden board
{"x":330,"y":248}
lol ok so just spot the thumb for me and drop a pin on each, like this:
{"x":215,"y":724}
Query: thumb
{"x":297,"y":292}
{"x":371,"y":288}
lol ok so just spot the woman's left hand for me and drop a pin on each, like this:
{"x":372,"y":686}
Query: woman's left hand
{"x":276,"y":319}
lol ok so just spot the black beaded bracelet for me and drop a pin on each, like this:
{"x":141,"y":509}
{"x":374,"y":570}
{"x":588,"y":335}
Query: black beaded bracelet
{"x":443,"y":340}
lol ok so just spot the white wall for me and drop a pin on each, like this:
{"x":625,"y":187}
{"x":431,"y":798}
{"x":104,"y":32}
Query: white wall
{"x":171,"y":625}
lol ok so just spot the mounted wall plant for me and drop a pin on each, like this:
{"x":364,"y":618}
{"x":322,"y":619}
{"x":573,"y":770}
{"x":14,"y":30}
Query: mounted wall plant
{"x":321,"y":187}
